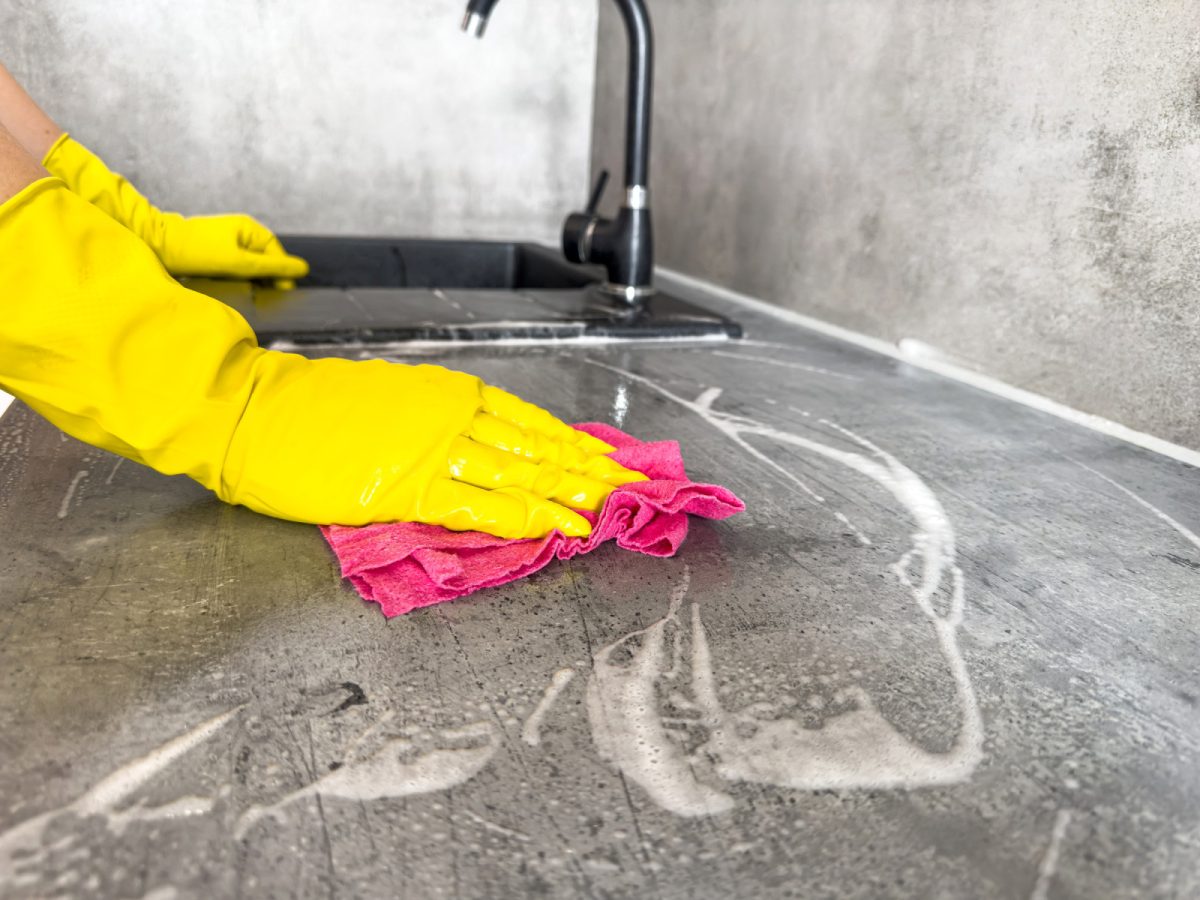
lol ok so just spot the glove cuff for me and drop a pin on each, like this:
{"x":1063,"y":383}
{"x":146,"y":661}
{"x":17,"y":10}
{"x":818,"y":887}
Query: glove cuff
{"x":87,"y":176}
{"x":27,"y":195}
{"x":48,"y":159}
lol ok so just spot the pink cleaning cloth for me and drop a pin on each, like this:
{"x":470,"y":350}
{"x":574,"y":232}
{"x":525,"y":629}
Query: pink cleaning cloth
{"x":405,"y":565}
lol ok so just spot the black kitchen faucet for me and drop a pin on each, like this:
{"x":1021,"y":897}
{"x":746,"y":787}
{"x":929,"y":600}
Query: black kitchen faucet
{"x":624,"y":245}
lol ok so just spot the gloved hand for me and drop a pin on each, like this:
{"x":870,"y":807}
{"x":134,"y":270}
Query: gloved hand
{"x":96,"y":337}
{"x":230,"y":246}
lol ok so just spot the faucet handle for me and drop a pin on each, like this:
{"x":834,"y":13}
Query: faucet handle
{"x":581,"y":226}
{"x":597,"y":192}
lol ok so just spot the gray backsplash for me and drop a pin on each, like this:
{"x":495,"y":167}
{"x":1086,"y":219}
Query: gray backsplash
{"x":1013,"y":183}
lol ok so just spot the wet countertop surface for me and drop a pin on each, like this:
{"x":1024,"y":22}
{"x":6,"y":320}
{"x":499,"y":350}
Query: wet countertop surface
{"x":949,"y":650}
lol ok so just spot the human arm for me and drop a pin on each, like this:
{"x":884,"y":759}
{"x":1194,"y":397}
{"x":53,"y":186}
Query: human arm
{"x":17,"y":168}
{"x":24,"y":120}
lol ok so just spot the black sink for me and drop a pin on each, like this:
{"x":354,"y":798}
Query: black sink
{"x":377,"y":290}
{"x":478,"y":265}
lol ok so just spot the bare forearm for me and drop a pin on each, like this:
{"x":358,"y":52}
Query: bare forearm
{"x":17,"y":167}
{"x":24,"y":119}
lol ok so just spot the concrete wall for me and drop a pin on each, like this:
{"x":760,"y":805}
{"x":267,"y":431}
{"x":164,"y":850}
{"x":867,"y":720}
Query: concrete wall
{"x":1017,"y":182}
{"x":364,"y":116}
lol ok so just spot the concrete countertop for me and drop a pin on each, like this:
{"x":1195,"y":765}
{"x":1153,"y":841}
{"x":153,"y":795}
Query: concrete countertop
{"x":950,"y":650}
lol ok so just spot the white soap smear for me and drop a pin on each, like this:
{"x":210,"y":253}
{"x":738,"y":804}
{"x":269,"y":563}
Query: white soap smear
{"x":1050,"y":859}
{"x":21,"y":848}
{"x":531,"y":732}
{"x":64,"y":508}
{"x":399,"y":768}
{"x":858,"y":748}
{"x":1186,"y":533}
{"x":622,"y":705}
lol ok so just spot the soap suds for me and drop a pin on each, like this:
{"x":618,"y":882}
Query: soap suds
{"x":531,"y":733}
{"x":401,"y":767}
{"x":924,"y":357}
{"x":64,"y":508}
{"x":620,"y":406}
{"x":858,"y":748}
{"x":733,"y":427}
{"x":1050,"y":859}
{"x":629,"y":732}
{"x":784,"y":364}
{"x":498,"y":829}
{"x":446,"y":298}
{"x":854,"y":529}
{"x":112,"y":474}
{"x":400,"y":349}
{"x":368,"y":733}
{"x":1187,"y":534}
{"x":21,"y":847}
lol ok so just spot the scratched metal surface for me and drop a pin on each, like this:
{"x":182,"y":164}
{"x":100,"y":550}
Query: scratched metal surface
{"x":192,"y":704}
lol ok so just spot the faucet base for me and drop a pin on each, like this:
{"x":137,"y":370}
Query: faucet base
{"x":630,"y":294}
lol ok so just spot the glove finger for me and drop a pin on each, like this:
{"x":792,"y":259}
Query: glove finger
{"x":528,"y":417}
{"x":487,"y":467}
{"x":250,"y":264}
{"x":504,"y":435}
{"x":254,"y":235}
{"x":510,"y":513}
{"x":260,"y":241}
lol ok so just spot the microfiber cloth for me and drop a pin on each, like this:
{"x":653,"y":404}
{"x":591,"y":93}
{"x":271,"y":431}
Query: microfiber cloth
{"x":406,"y":565}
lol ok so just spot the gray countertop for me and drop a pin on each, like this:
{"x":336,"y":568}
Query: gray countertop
{"x":949,"y":650}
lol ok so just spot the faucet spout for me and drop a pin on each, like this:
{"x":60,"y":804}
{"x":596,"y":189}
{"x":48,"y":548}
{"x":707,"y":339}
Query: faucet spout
{"x":476,"y":17}
{"x":638,"y":92}
{"x":624,"y":245}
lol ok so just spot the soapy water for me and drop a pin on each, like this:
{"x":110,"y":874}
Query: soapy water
{"x":23,"y":849}
{"x":531,"y":732}
{"x":1186,"y":533}
{"x":64,"y":508}
{"x":1049,"y":863}
{"x":785,"y":364}
{"x":628,"y":730}
{"x":858,"y":748}
{"x":401,"y":767}
{"x":855,"y":749}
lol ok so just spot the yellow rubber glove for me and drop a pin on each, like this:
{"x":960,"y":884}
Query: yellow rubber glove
{"x":231,"y":246}
{"x":99,"y":339}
